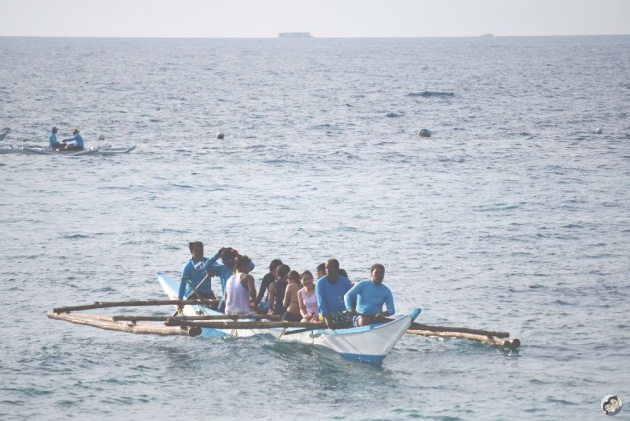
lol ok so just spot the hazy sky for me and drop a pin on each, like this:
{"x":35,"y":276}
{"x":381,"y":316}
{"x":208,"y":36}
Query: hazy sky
{"x":322,"y":18}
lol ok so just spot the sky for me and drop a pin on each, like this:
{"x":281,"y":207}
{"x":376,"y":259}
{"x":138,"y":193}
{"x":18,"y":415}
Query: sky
{"x":322,"y":18}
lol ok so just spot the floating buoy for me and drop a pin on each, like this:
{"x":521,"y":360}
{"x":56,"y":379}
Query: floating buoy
{"x":599,"y":130}
{"x":220,"y":135}
{"x":424,"y":133}
{"x":101,"y":137}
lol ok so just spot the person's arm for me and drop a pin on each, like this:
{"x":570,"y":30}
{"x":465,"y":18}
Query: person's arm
{"x":287,"y":296}
{"x":263,"y":286}
{"x":350,"y":297}
{"x":272,"y":296}
{"x":301,"y":304}
{"x":320,"y":292}
{"x":249,"y":284}
{"x":389,"y":302}
{"x":182,"y":288}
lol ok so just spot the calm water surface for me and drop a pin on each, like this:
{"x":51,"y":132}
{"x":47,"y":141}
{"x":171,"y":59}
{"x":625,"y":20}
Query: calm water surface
{"x":513,"y":216}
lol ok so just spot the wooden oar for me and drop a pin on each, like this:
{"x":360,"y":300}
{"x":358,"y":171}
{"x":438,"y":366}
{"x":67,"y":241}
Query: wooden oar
{"x":137,"y":303}
{"x":234,"y":317}
{"x":203,"y":300}
{"x":242,"y":325}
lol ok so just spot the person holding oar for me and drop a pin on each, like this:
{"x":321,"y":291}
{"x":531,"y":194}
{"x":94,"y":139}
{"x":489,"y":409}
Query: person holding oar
{"x":75,"y":143}
{"x":195,"y":275}
{"x":53,"y":143}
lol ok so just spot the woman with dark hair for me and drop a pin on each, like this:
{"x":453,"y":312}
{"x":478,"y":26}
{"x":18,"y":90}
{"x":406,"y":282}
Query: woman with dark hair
{"x":290,"y":301}
{"x":263,"y":305}
{"x":277,"y":290}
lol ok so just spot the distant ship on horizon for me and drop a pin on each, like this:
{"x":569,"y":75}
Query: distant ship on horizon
{"x":487,"y":35}
{"x":295,"y":35}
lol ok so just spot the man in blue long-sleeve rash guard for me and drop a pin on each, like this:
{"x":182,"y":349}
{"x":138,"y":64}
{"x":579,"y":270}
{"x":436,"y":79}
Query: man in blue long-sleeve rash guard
{"x":370,"y":295}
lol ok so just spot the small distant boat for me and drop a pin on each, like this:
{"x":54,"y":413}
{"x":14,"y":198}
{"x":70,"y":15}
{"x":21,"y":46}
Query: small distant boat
{"x":487,"y":35}
{"x":38,"y":150}
{"x":369,"y":343}
{"x":295,"y":35}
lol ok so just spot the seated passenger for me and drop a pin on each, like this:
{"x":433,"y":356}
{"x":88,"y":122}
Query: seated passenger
{"x":370,"y":295}
{"x":263,"y":305}
{"x":308,"y":299}
{"x":320,"y":271}
{"x":330,"y":291}
{"x":75,"y":143}
{"x":240,"y":290}
{"x":53,"y":143}
{"x":290,"y":301}
{"x":277,"y":290}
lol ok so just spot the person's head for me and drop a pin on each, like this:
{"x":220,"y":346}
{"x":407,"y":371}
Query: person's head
{"x":342,"y":272}
{"x":307,"y":278}
{"x":196,"y":249}
{"x":378,"y":273}
{"x":75,"y":131}
{"x":293,"y":277}
{"x":228,"y":258}
{"x":242,"y":263}
{"x":54,"y":130}
{"x":332,"y":269}
{"x":320,"y":270}
{"x":273,"y":266}
{"x":283,"y":271}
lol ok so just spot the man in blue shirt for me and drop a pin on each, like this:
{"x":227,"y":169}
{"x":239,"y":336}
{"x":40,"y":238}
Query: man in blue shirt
{"x":330,"y":290}
{"x":370,"y":295}
{"x":53,"y":143}
{"x":77,"y":141}
{"x":194,"y":273}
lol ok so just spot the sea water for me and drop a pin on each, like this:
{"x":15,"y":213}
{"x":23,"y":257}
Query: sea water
{"x":513,"y":216}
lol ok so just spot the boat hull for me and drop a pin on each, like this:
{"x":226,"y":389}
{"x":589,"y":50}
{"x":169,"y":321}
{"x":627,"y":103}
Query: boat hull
{"x":95,"y":150}
{"x":368,"y":343}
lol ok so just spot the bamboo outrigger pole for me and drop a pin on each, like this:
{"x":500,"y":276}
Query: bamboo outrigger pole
{"x":487,"y":339}
{"x":139,"y":303}
{"x":108,"y":323}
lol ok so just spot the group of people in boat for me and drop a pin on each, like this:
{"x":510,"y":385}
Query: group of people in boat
{"x":328,"y":297}
{"x":74,"y":143}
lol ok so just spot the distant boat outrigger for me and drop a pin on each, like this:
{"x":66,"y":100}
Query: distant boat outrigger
{"x":295,"y":35}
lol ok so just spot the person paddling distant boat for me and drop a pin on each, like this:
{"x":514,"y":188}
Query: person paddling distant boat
{"x":53,"y":143}
{"x":75,"y":143}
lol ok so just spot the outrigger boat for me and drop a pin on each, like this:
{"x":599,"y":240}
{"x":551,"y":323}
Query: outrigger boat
{"x":38,"y":150}
{"x":368,"y":343}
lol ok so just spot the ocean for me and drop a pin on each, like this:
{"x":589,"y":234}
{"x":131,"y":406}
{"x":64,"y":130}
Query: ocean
{"x":513,"y":216}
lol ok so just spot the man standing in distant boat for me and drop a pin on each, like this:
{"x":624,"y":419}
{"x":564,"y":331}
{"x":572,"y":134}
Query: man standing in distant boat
{"x":370,"y":295}
{"x":330,"y":290}
{"x":76,"y":141}
{"x":53,"y":143}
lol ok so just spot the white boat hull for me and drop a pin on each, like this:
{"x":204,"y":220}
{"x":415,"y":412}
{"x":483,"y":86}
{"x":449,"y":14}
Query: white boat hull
{"x":369,"y":343}
{"x":37,"y":150}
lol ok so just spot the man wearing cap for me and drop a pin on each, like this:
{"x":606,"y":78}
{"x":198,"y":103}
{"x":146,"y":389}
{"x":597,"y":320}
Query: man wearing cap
{"x":224,"y":271}
{"x":76,"y":141}
{"x":53,"y":143}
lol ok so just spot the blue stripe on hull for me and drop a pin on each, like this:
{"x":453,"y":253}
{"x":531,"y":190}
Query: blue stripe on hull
{"x":374,"y":359}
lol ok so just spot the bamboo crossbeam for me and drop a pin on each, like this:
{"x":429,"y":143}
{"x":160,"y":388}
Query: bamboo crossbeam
{"x":108,"y":323}
{"x":490,"y":340}
{"x":245,"y":325}
{"x":430,"y":328}
{"x":138,"y":303}
{"x":233,"y":317}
